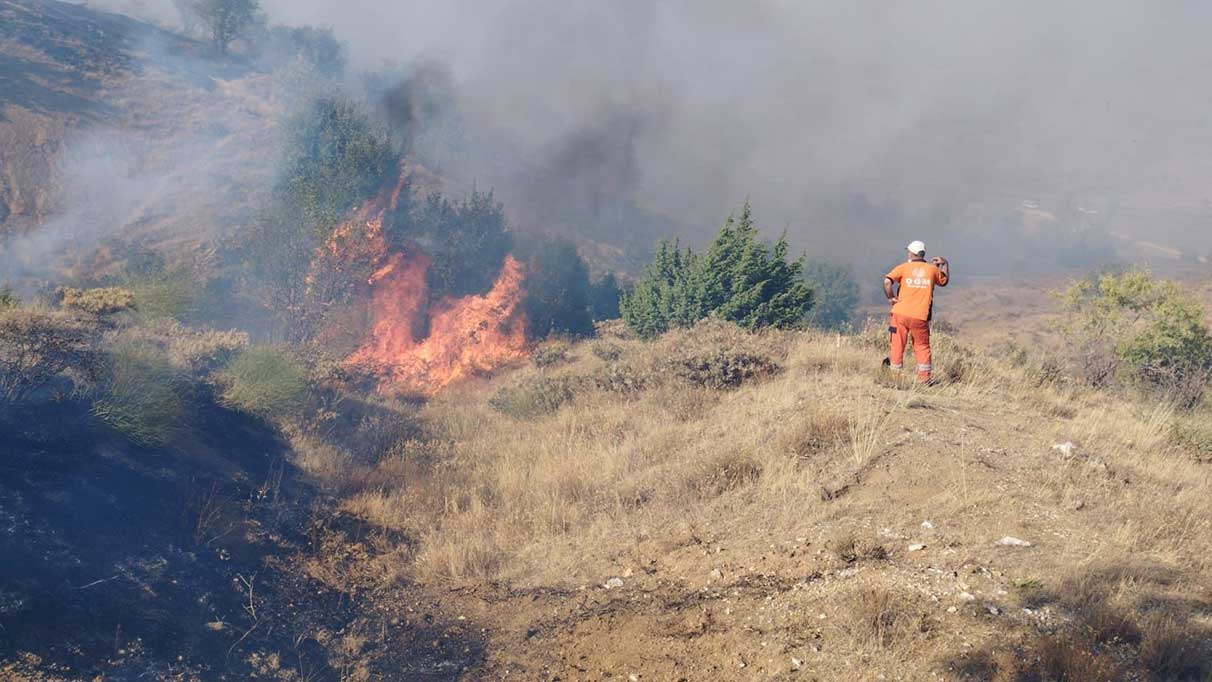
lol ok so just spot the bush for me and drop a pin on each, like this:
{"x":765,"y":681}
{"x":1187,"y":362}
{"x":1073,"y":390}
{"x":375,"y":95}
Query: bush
{"x":557,"y":289}
{"x":835,"y":294}
{"x":195,"y":353}
{"x":604,"y":296}
{"x":716,"y":355}
{"x":550,"y":353}
{"x":265,"y":382}
{"x":140,"y":393}
{"x":38,"y":345}
{"x":172,"y":294}
{"x":738,"y":279}
{"x":534,"y":396}
{"x":1138,"y":331}
{"x":103,"y":301}
{"x":335,"y":158}
{"x":466,"y":240}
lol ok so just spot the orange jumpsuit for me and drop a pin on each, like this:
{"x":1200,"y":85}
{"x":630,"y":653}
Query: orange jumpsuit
{"x":912,"y":312}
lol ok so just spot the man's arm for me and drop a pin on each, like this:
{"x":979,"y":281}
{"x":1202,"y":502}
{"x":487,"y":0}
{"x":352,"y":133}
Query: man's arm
{"x":888,"y":283}
{"x":944,"y":266}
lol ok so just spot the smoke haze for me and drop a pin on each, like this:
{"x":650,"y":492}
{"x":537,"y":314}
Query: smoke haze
{"x":833,"y":117}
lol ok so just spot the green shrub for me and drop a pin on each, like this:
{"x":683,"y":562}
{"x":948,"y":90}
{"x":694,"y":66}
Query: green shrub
{"x":534,"y":396}
{"x":140,"y":394}
{"x":738,"y":279}
{"x":1138,"y":331}
{"x":835,"y":294}
{"x":170,"y":294}
{"x":38,"y":345}
{"x":101,"y":301}
{"x":265,"y":382}
{"x":8,"y":299}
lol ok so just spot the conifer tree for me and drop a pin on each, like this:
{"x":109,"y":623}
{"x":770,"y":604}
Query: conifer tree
{"x":739,"y":278}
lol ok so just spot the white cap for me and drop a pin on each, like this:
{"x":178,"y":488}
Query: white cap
{"x":917,"y":247}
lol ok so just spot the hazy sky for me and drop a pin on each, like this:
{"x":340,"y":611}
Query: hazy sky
{"x":835,"y":117}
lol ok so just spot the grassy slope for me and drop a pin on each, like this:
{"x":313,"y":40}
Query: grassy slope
{"x":774,"y":522}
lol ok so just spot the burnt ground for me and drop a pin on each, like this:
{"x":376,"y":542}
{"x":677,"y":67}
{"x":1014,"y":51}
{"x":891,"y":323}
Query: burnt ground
{"x":215,"y":561}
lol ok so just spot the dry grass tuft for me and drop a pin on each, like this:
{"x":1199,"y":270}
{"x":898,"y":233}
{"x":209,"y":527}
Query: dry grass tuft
{"x":880,"y":618}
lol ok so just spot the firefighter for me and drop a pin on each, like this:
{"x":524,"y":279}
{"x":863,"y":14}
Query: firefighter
{"x":913,"y":306}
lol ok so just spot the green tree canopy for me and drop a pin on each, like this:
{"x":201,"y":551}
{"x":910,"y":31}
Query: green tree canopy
{"x":836,"y":293}
{"x":739,"y":278}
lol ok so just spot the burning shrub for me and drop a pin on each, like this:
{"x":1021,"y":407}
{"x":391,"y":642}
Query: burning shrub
{"x":140,"y":394}
{"x":265,"y":382}
{"x":465,"y":241}
{"x":534,"y":396}
{"x":336,"y":157}
{"x":37,"y":345}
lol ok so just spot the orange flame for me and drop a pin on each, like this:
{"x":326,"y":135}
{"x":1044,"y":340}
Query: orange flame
{"x":412,"y":345}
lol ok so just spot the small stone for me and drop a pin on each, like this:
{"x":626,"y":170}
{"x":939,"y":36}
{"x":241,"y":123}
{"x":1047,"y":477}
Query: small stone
{"x":1079,"y":505}
{"x":613,"y":583}
{"x":927,"y":525}
{"x":993,"y":610}
{"x":1065,"y":449}
{"x":633,"y":678}
{"x":951,"y":609}
{"x":796,"y":663}
{"x":916,"y":547}
{"x":966,"y":596}
{"x":716,"y":574}
{"x":1010,"y":541}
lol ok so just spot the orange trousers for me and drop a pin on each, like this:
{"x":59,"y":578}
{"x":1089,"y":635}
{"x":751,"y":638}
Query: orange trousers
{"x":901,"y":329}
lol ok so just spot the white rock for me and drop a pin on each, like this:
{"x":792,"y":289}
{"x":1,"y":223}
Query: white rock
{"x":716,"y":574}
{"x":966,"y":596}
{"x":927,"y":525}
{"x":633,"y":678}
{"x":613,"y":583}
{"x":796,"y":663}
{"x":916,"y":547}
{"x":1010,"y":541}
{"x":951,"y":609}
{"x":1066,"y":449}
{"x":993,"y":610}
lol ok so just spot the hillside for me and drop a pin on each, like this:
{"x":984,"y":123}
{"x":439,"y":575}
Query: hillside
{"x":712,"y":505}
{"x":273,"y":408}
{"x":112,"y":127}
{"x":818,"y":523}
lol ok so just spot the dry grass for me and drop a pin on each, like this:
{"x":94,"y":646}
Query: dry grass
{"x":651,"y":461}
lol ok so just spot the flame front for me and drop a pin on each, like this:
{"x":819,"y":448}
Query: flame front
{"x":413,"y":345}
{"x":467,"y":336}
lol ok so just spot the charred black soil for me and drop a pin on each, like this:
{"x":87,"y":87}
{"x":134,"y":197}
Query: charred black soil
{"x":130,"y":563}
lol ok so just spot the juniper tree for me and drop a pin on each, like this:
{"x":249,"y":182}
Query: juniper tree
{"x":739,"y":278}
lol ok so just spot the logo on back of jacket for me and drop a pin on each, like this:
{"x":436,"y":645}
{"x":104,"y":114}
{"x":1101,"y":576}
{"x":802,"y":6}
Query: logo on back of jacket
{"x":919,"y":280}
